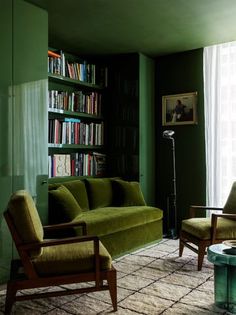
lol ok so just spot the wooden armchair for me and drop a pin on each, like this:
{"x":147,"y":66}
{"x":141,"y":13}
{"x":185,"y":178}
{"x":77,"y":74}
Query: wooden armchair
{"x":53,"y":262}
{"x":199,"y":233}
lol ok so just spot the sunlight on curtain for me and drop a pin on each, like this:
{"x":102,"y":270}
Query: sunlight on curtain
{"x":220,"y":120}
{"x":30,"y":133}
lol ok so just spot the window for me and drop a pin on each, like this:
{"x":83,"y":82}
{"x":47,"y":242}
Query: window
{"x":220,"y":120}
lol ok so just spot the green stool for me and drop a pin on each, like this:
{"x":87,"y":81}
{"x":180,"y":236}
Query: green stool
{"x":224,"y":276}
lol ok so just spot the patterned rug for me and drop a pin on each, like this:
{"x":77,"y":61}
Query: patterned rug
{"x":152,"y":281}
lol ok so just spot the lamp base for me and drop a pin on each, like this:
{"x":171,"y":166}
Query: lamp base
{"x":171,"y":234}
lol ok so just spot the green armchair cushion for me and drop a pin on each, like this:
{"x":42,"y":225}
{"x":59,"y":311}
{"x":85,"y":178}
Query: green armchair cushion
{"x":78,"y":190}
{"x":99,"y":192}
{"x":201,"y":228}
{"x":63,"y":204}
{"x":127,"y":193}
{"x":26,"y":219}
{"x":230,"y":205}
{"x":71,"y":258}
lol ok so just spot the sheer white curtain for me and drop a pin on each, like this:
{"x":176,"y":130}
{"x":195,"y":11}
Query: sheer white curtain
{"x":220,"y":120}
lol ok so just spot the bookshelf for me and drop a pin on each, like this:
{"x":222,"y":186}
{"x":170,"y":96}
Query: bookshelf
{"x":75,"y":116}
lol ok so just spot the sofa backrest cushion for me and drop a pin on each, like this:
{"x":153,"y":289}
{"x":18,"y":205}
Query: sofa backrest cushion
{"x":78,"y":190}
{"x":99,"y":192}
{"x":127,"y":193}
{"x":63,"y":206}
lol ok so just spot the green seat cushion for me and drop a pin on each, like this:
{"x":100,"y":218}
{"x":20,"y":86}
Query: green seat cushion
{"x":78,"y":190}
{"x":201,"y":228}
{"x":99,"y":192}
{"x":230,"y":205}
{"x":62,"y":204}
{"x":109,"y":220}
{"x":70,"y":259}
{"x":127,"y":193}
{"x":26,"y":219}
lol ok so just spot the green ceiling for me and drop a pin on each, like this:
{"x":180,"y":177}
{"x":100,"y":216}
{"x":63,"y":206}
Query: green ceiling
{"x":153,"y":27}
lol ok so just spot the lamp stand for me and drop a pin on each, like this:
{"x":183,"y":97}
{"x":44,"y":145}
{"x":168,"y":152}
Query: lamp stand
{"x":171,"y":204}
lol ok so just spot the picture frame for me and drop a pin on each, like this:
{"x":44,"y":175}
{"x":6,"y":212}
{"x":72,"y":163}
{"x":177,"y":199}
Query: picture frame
{"x":179,"y":109}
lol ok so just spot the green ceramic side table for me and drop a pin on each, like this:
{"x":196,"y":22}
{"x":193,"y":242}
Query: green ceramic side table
{"x":224,"y":276}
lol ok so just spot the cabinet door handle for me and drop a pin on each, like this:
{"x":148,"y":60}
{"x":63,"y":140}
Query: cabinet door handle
{"x":44,"y":182}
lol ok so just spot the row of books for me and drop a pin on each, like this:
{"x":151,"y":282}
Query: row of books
{"x":77,"y":164}
{"x":73,"y":131}
{"x":77,"y":101}
{"x":82,"y":71}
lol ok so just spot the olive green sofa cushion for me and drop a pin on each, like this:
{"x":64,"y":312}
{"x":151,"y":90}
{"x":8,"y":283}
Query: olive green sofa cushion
{"x":78,"y":190}
{"x":63,"y":259}
{"x":99,"y":192}
{"x":201,"y":228}
{"x":110,"y":220}
{"x":64,"y":204}
{"x":127,"y":193}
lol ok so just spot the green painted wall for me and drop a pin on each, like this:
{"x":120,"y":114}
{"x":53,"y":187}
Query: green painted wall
{"x":181,"y":73}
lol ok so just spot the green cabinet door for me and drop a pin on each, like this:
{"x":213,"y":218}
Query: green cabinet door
{"x":23,"y":111}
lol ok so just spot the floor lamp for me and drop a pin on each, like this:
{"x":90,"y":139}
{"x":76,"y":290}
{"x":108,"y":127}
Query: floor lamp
{"x":172,"y":232}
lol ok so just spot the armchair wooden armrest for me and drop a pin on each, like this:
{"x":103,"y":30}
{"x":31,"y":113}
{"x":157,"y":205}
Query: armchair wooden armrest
{"x":214,"y":218}
{"x":61,"y":241}
{"x":193,"y":209}
{"x":48,"y":228}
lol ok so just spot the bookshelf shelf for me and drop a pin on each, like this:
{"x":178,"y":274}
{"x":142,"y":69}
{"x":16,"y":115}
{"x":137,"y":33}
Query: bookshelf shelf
{"x":74,"y":114}
{"x":59,"y":78}
{"x":75,"y":146}
{"x":75,"y":117}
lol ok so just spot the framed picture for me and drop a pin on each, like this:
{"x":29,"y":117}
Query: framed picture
{"x":179,"y":109}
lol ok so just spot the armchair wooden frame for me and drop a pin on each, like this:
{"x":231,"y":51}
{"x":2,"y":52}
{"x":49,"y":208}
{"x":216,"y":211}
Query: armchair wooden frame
{"x":30,"y":279}
{"x":186,"y":239}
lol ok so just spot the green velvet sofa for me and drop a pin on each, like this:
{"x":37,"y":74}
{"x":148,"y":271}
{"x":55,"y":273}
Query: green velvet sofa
{"x":112,"y":209}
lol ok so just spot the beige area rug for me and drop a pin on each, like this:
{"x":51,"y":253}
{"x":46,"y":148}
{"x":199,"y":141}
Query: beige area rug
{"x":153,"y":280}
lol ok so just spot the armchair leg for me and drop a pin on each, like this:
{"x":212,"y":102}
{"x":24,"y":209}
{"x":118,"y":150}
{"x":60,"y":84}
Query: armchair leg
{"x":111,"y":279}
{"x":181,"y":247}
{"x":10,"y":297}
{"x":201,"y":254}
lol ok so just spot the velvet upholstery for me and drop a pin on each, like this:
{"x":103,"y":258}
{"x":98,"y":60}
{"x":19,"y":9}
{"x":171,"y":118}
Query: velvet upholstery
{"x":125,"y":241}
{"x":121,"y":228}
{"x":109,"y":220}
{"x":99,"y":192}
{"x":26,"y":219}
{"x":201,"y":228}
{"x":199,"y":233}
{"x":61,"y":262}
{"x":78,"y":190}
{"x":127,"y":193}
{"x":230,"y":205}
{"x":63,"y":259}
{"x":63,"y":203}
